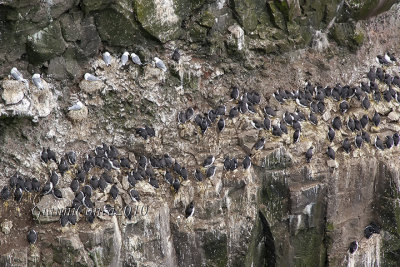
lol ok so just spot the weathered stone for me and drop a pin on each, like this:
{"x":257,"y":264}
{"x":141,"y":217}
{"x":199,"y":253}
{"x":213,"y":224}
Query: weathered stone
{"x":6,"y":226}
{"x":43,"y":101}
{"x":159,"y":18}
{"x":13,"y":91}
{"x":49,"y":208}
{"x":332,"y":163}
{"x":394,"y":116}
{"x":46,"y":43}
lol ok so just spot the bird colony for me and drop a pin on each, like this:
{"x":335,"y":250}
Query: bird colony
{"x":354,"y":123}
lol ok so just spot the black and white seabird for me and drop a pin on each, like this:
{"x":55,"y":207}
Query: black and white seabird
{"x":267,"y":123}
{"x":35,"y":185}
{"x":221,"y":124}
{"x":396,"y":139}
{"x":365,"y":137}
{"x":314,"y":107}
{"x":87,"y":202}
{"x":168,"y":177}
{"x":246,"y":162}
{"x":198,"y":175}
{"x":364,"y":120}
{"x":357,"y":125}
{"x":371,"y":229}
{"x":309,"y":154}
{"x":43,"y":156}
{"x":208,"y":161}
{"x":288,"y":118}
{"x":57,"y":193}
{"x":376,"y":119}
{"x":212,"y":115}
{"x":358,"y":141}
{"x":176,"y":185}
{"x":387,"y":95}
{"x":235,"y":93}
{"x":32,"y":237}
{"x":259,"y":144}
{"x":377,"y":96}
{"x":331,"y":134}
{"x":371,"y":74}
{"x":283,"y":127}
{"x":269,"y":111}
{"x":211,"y":171}
{"x":296,"y":136}
{"x":379,"y":143}
{"x":184,"y":173}
{"x":64,"y":220}
{"x":351,"y":125}
{"x":72,"y":218}
{"x":189,"y":210}
{"x":353,"y":247}
{"x":47,"y":188}
{"x":220,"y":110}
{"x":71,"y":157}
{"x":321,"y":107}
{"x":243,"y":107}
{"x":28,"y":185}
{"x":103,"y":183}
{"x":346,"y":145}
{"x":276,"y":130}
{"x":5,"y":193}
{"x":51,"y":155}
{"x":134,"y":195}
{"x":114,"y":191}
{"x":176,"y":55}
{"x":313,"y":118}
{"x":330,"y":152}
{"x":344,"y":106}
{"x":63,"y":166}
{"x":257,"y":124}
{"x":94,"y":182}
{"x":153,"y":182}
{"x":234,"y":112}
{"x":389,"y":142}
{"x":382,"y":60}
{"x":87,"y":190}
{"x":336,"y":123}
{"x":18,"y":194}
{"x":128,"y":212}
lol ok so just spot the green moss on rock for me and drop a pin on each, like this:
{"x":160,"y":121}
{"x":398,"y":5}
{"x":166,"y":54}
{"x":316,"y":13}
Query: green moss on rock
{"x":46,"y":43}
{"x":215,"y":249}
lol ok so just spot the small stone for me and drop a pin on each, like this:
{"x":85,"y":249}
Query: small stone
{"x":394,"y":116}
{"x":13,"y":91}
{"x":6,"y":227}
{"x":78,"y":115}
{"x":332,"y":163}
{"x":91,"y":87}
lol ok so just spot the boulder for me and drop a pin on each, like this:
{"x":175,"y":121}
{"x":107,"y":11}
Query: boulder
{"x":49,"y":208}
{"x":13,"y":91}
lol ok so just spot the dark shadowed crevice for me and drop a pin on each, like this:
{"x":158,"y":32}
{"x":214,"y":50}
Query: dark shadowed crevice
{"x":268,"y":242}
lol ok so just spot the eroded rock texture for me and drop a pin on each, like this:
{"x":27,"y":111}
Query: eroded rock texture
{"x":280,"y":212}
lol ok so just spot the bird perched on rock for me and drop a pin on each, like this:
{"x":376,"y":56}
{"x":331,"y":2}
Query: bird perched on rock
{"x":389,"y":142}
{"x":221,"y":124}
{"x":124,"y":58}
{"x":37,"y":81}
{"x":358,"y":141}
{"x":5,"y":193}
{"x":376,"y":119}
{"x":134,"y":194}
{"x":309,"y":154}
{"x":296,"y":136}
{"x":114,"y":191}
{"x":32,"y":237}
{"x":63,"y":166}
{"x":336,"y":123}
{"x":176,"y":185}
{"x":17,"y":75}
{"x":353,"y":247}
{"x":211,"y":171}
{"x":78,"y":105}
{"x":176,"y":55}
{"x":259,"y":144}
{"x":346,"y":145}
{"x":128,"y":212}
{"x":246,"y":162}
{"x":235,"y":93}
{"x":160,"y":64}
{"x":57,"y":193}
{"x":189,"y":210}
{"x":330,"y":152}
{"x":91,"y":78}
{"x":379,"y":143}
{"x":107,"y":58}
{"x":198,"y":175}
{"x":136,"y":59}
{"x":44,"y":156}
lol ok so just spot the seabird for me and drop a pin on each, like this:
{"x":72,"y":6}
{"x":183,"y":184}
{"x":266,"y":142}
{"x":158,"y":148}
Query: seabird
{"x":124,"y":58}
{"x":351,"y":125}
{"x":377,"y":96}
{"x":17,"y":75}
{"x":313,"y":118}
{"x":243,"y":107}
{"x":283,"y":127}
{"x":208,"y":161}
{"x":371,"y":74}
{"x":270,"y":111}
{"x":63,"y":166}
{"x":57,"y":193}
{"x":309,"y":154}
{"x":5,"y":193}
{"x":210,"y":171}
{"x":346,"y":145}
{"x":107,"y":58}
{"x":189,"y":113}
{"x":321,"y":107}
{"x":344,"y":106}
{"x":37,"y":81}
{"x":177,"y":168}
{"x":381,"y":60}
{"x":396,"y":139}
{"x":136,"y":59}
{"x":43,"y":156}
{"x":296,"y":136}
{"x":314,"y":106}
{"x":32,"y":237}
{"x":358,"y":141}
{"x":176,"y":185}
{"x":387,"y":58}
{"x":176,"y":55}
{"x":189,"y":210}
{"x":168,"y":177}
{"x":276,"y":130}
{"x":387,"y":96}
{"x":257,"y":124}
{"x":198,"y":175}
{"x":336,"y":123}
{"x":71,"y":157}
{"x":371,"y":229}
{"x":94,"y":182}
{"x":365,"y":103}
{"x":91,"y":78}
{"x":389,"y":142}
{"x":153,"y":182}
{"x":364,"y":120}
{"x":18,"y":194}
{"x":28,"y":185}
{"x":379,"y":143}
{"x":376,"y":119}
{"x":353,"y":247}
{"x":128,"y":212}
{"x":78,"y":105}
{"x":330,"y":152}
{"x":114,"y":191}
{"x":246,"y":162}
{"x":125,"y":163}
{"x":220,"y":110}
{"x":254,"y":98}
{"x":259,"y":144}
{"x":288,"y":118}
{"x":212,"y":115}
{"x":142,"y":161}
{"x":278,"y":97}
{"x":35,"y":185}
{"x":47,"y":188}
{"x":54,"y":178}
{"x":365,"y":137}
{"x":103,"y":183}
{"x":134,"y":195}
{"x":90,"y":215}
{"x":51,"y":155}
{"x":160,"y":64}
{"x":87,"y":190}
{"x":234,"y":112}
{"x":267,"y":123}
{"x":184,"y":173}
{"x":221,"y":124}
{"x":72,"y":218}
{"x":235,"y":93}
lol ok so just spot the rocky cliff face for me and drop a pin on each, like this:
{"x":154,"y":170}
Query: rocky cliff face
{"x":280,"y":212}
